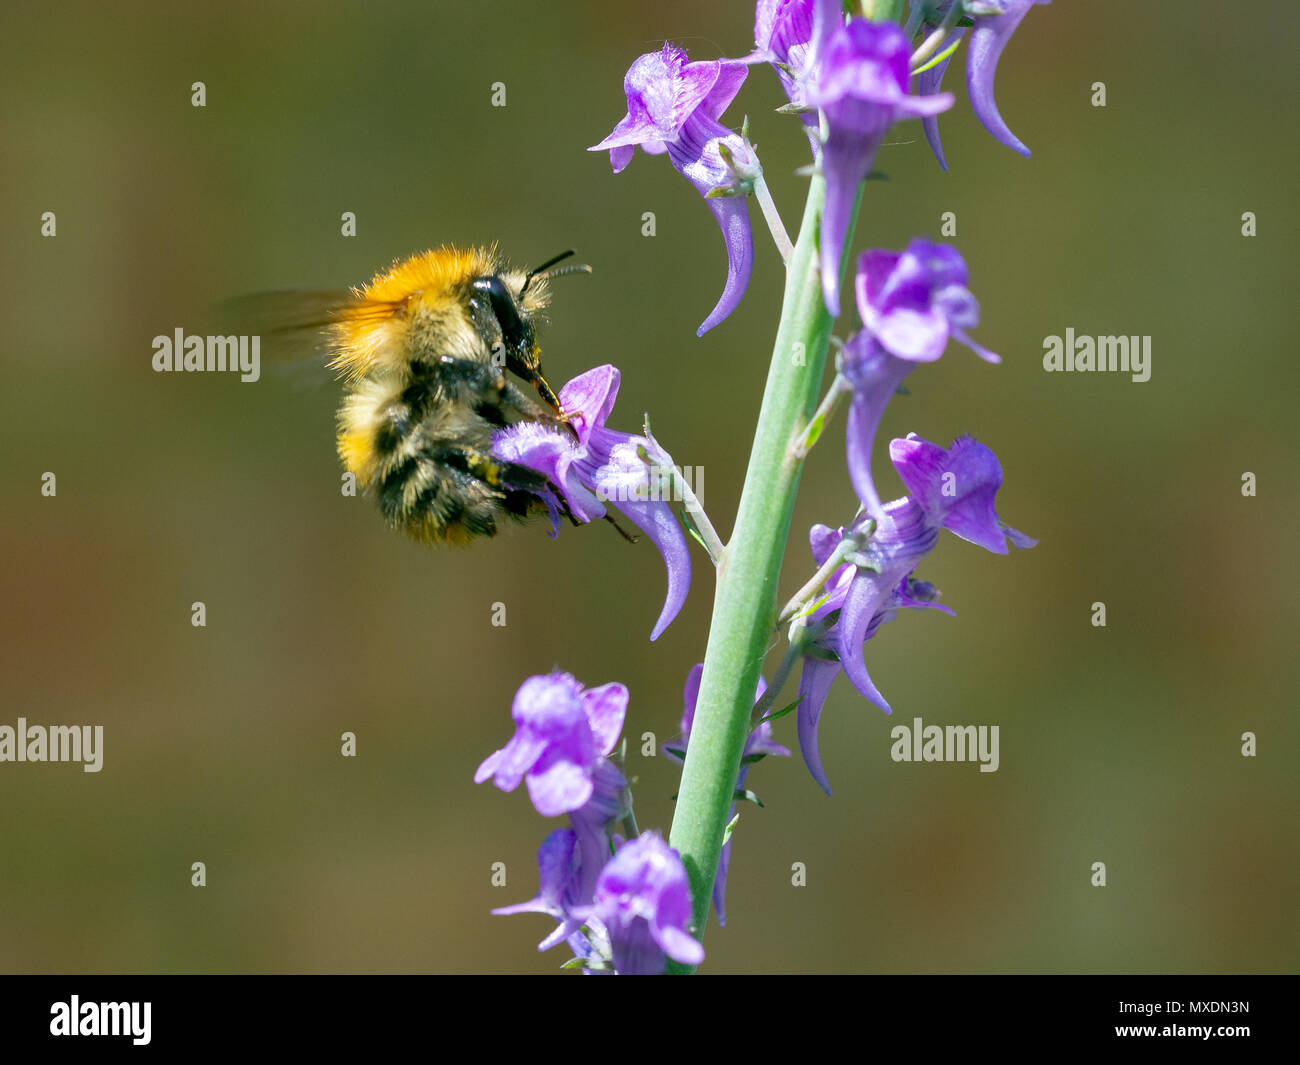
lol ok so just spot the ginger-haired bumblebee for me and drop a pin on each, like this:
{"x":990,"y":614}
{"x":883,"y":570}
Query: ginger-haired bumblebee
{"x":423,"y":350}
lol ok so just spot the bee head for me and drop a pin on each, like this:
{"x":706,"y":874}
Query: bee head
{"x":504,"y":307}
{"x":503,"y":318}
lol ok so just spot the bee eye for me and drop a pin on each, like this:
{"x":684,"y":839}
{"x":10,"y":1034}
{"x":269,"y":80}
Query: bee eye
{"x":513,"y":330}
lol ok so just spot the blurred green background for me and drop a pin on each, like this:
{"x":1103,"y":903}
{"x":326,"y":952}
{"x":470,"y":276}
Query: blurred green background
{"x":1119,"y":744}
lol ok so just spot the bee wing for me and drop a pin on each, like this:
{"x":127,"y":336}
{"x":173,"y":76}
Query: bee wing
{"x":296,"y":328}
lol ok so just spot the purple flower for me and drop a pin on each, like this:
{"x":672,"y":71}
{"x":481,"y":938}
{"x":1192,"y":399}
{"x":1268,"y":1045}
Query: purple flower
{"x":758,"y":744}
{"x":789,"y":34}
{"x":783,"y":36}
{"x":643,"y":901}
{"x":950,"y":489}
{"x":674,"y":106}
{"x":560,"y":887}
{"x":911,"y":303}
{"x":562,"y":733}
{"x":995,"y":22}
{"x":861,"y":88}
{"x":821,"y":663}
{"x":603,"y":464}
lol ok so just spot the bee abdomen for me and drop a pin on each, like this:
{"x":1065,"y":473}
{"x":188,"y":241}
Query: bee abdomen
{"x":432,"y":499}
{"x":423,"y":444}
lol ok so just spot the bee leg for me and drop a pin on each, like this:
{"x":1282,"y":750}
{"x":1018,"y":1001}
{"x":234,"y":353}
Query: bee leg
{"x":516,"y":405}
{"x":504,"y":475}
{"x":553,"y":401}
{"x":621,"y":531}
{"x":485,"y":388}
{"x":492,"y":471}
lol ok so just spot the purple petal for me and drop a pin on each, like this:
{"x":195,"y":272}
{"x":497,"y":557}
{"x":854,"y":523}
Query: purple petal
{"x":691,"y":696}
{"x":897,"y":299}
{"x":962,"y":503}
{"x":814,"y":685}
{"x":928,"y":83}
{"x":558,"y":786}
{"x":619,"y":157}
{"x":920,"y":466}
{"x":978,"y":476}
{"x":656,"y":520}
{"x":988,"y":356}
{"x":697,"y":157}
{"x":720,"y":878}
{"x":605,"y":707}
{"x":987,"y":40}
{"x":943,"y":263}
{"x":875,"y":375}
{"x":1019,"y":539}
{"x":516,"y":758}
{"x":730,"y":77}
{"x":919,"y":335}
{"x":593,"y":394}
{"x":863,"y":60}
{"x":824,"y":540}
{"x":732,"y":215}
{"x":865,"y":599}
{"x":846,"y":160}
{"x":554,"y":869}
{"x":828,"y":16}
{"x":678,"y":945}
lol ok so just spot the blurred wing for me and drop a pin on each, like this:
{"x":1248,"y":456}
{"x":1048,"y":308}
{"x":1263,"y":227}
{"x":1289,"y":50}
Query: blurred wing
{"x":296,"y":328}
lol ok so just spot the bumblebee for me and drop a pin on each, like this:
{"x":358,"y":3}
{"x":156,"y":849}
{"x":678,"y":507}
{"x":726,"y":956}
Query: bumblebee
{"x":423,"y":350}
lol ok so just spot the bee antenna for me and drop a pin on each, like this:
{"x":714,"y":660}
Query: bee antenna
{"x":540,"y":271}
{"x":576,"y":268}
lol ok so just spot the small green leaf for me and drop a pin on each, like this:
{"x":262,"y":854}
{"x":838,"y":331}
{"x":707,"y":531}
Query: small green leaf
{"x":815,"y":430}
{"x":794,"y":109}
{"x":940,"y":57}
{"x":779,"y":713}
{"x":689,"y":523}
{"x":746,"y":795}
{"x":812,"y":607}
{"x":731,"y":825}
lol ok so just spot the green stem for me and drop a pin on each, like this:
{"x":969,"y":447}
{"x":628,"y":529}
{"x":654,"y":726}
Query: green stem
{"x":773,"y":218}
{"x":744,"y":606}
{"x":788,"y":661}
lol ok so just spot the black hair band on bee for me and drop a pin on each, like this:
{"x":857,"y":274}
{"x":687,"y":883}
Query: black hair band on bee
{"x":544,"y":271}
